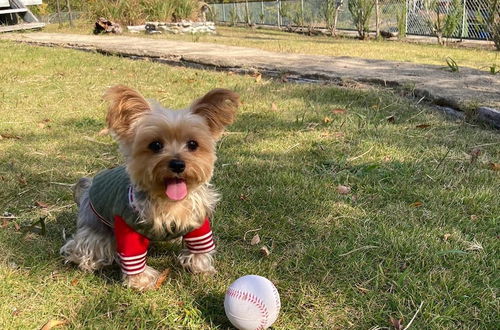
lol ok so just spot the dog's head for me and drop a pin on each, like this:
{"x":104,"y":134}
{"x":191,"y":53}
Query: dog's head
{"x":169,"y":152}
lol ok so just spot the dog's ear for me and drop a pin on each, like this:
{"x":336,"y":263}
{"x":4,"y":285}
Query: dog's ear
{"x":218,"y":107}
{"x":125,"y":107}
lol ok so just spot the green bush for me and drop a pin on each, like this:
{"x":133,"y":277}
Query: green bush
{"x":444,"y":18}
{"x":361,"y":11}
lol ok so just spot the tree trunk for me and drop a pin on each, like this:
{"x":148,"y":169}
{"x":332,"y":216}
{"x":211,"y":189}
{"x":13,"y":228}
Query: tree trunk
{"x":377,"y":20}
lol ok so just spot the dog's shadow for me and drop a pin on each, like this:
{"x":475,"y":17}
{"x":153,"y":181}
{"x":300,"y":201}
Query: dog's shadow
{"x":211,"y":306}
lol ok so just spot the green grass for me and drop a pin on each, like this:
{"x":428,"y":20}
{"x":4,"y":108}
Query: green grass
{"x":278,"y":41}
{"x":338,"y":261}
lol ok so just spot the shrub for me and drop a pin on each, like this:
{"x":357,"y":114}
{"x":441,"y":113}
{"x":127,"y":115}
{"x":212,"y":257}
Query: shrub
{"x":133,"y":12}
{"x":361,"y":11}
{"x":444,"y":18}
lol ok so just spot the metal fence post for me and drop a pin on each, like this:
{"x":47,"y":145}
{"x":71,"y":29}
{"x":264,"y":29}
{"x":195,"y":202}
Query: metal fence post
{"x":302,"y":13}
{"x":262,"y":12}
{"x":279,"y":14}
{"x":223,"y":12}
{"x":464,"y":20}
{"x":407,"y":9}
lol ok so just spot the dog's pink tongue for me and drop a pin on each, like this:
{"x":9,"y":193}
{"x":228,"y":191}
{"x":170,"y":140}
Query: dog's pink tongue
{"x":176,"y":189}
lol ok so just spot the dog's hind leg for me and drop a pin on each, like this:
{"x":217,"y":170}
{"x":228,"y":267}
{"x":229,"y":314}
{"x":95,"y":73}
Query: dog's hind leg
{"x":93,"y":246}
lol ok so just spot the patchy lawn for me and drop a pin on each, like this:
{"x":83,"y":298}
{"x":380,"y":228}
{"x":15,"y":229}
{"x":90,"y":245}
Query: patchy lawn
{"x":416,"y":225}
{"x":278,"y":41}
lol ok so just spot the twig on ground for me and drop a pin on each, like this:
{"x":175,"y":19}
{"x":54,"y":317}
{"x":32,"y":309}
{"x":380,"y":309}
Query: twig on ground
{"x":356,"y":157}
{"x":249,"y":231}
{"x":61,"y":184}
{"x":442,"y":159}
{"x":358,"y":249}
{"x":414,"y":316}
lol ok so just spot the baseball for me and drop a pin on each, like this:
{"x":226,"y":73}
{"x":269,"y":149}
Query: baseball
{"x":252,"y":302}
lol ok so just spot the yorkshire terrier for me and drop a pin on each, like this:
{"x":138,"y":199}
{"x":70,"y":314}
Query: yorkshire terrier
{"x":163,"y":192}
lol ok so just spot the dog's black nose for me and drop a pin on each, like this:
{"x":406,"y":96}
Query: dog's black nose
{"x":177,"y":165}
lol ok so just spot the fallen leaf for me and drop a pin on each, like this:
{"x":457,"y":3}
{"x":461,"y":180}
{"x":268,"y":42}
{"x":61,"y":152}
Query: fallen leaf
{"x":15,"y":312}
{"x":162,"y":278}
{"x":5,"y":223}
{"x":75,"y":281}
{"x":343,"y":190}
{"x":338,"y":111}
{"x":327,"y":119}
{"x":257,"y":76}
{"x":16,"y":225}
{"x":22,"y":181}
{"x":230,"y":73}
{"x":446,"y":236}
{"x":9,"y":136}
{"x":41,"y":125}
{"x":274,"y":107}
{"x":423,"y":126}
{"x":417,"y":204}
{"x":474,"y":217}
{"x":264,"y":251}
{"x":495,"y":166}
{"x":255,"y":240}
{"x":391,"y":119}
{"x":41,"y":204}
{"x":396,"y":323}
{"x":284,"y":78}
{"x":53,"y":323}
{"x":243,"y":197}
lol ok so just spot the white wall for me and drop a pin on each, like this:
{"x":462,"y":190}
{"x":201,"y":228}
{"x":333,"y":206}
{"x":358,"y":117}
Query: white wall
{"x":5,"y":3}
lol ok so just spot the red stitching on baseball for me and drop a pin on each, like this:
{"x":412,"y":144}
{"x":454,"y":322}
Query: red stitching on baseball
{"x":246,"y":296}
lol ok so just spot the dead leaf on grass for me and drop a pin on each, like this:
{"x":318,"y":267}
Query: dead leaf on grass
{"x":474,"y":217}
{"x":416,"y":204}
{"x":391,"y":119}
{"x":421,"y":126}
{"x":16,"y":226}
{"x":54,"y":323}
{"x":446,"y":236}
{"x":264,"y":251}
{"x":338,"y":111}
{"x":255,"y":240}
{"x":274,"y":107}
{"x":75,"y":281}
{"x":5,"y":223}
{"x":243,"y":197}
{"x":42,"y":205}
{"x":257,"y":76}
{"x":343,"y":190}
{"x":327,"y":120}
{"x":9,"y":136}
{"x":495,"y":166}
{"x":162,"y":278}
{"x":396,"y":323}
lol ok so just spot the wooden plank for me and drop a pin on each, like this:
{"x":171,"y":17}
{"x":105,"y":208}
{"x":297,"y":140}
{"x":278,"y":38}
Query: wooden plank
{"x":22,"y":26}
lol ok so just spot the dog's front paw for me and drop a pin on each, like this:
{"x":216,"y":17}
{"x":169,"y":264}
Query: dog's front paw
{"x":142,"y":281}
{"x":197,"y":262}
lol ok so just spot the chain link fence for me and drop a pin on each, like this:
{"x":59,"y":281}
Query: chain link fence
{"x":470,"y":19}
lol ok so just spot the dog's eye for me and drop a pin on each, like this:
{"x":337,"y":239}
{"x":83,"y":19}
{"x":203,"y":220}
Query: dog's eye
{"x":192,"y":145}
{"x":155,"y":146}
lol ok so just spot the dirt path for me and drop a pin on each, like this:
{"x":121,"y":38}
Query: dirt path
{"x":468,"y":89}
